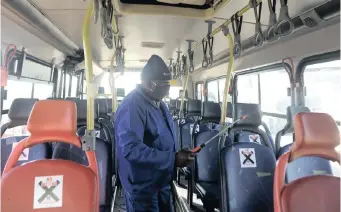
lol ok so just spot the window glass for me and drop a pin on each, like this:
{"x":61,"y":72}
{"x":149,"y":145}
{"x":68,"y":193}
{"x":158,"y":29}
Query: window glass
{"x":199,"y":91}
{"x":323,"y":86}
{"x":36,"y":70}
{"x":128,"y":81}
{"x":174,"y":92}
{"x":67,"y":85}
{"x":221,"y":84}
{"x":274,"y":85}
{"x":16,"y":89}
{"x":247,"y":87}
{"x":74,"y":86}
{"x":212,"y":91}
{"x":275,"y":125}
{"x":42,"y":90}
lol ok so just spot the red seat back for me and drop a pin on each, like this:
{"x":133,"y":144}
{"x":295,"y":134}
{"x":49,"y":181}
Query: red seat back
{"x":316,"y":134}
{"x":50,"y":185}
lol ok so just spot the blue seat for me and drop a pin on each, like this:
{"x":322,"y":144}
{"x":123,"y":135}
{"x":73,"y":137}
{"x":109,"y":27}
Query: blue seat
{"x":103,"y":152}
{"x":247,"y":130}
{"x":18,"y":114}
{"x":303,"y":166}
{"x":172,"y":106}
{"x":193,"y":114}
{"x":247,"y":173}
{"x":288,"y":128}
{"x":205,"y":176}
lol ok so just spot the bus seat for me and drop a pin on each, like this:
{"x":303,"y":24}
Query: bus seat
{"x":18,"y":114}
{"x":247,"y":130}
{"x":102,"y":108}
{"x":102,"y":132}
{"x":316,"y":134}
{"x":47,"y":185}
{"x":288,"y":128}
{"x":172,"y":106}
{"x":109,"y":103}
{"x":229,"y":116}
{"x":103,"y":153}
{"x":186,"y":127}
{"x":247,"y":170}
{"x":206,"y":168}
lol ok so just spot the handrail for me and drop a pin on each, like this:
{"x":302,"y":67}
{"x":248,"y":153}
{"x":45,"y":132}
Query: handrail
{"x":226,"y":23}
{"x":228,"y":76}
{"x":112,"y":84}
{"x":88,"y":67}
{"x":184,"y":92}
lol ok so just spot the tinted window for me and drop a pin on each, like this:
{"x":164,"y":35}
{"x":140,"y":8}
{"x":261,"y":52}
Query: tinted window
{"x":42,"y":91}
{"x":247,"y":88}
{"x":274,"y":97}
{"x":323,"y":86}
{"x":212,"y":91}
{"x":16,"y":89}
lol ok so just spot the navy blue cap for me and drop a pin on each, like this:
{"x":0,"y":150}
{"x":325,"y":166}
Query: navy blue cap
{"x":155,"y":69}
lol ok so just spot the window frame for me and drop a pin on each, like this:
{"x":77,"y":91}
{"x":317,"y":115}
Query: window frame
{"x":311,"y":60}
{"x":214,"y":79}
{"x":258,"y":70}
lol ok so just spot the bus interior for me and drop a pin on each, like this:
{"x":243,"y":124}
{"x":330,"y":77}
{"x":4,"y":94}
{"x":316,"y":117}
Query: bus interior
{"x":255,"y":94}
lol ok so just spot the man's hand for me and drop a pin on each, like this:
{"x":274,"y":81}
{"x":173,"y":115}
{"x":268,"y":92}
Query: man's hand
{"x":184,"y":157}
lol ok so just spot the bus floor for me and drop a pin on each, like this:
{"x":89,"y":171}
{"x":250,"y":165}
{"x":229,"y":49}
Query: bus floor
{"x":181,"y":191}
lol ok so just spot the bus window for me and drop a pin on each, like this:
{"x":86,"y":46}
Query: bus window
{"x":274,"y":102}
{"x":42,"y":90}
{"x":221,"y":84}
{"x":212,"y":91}
{"x":247,"y":89}
{"x":17,"y":89}
{"x":74,"y":86}
{"x":36,"y":71}
{"x":323,"y":86}
{"x":199,"y":91}
{"x":174,"y":92}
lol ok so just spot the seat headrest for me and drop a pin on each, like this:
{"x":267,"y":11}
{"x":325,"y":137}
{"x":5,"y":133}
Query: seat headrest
{"x":53,"y":118}
{"x":82,"y":112}
{"x":194,"y":107}
{"x":291,"y":112}
{"x":316,"y":134}
{"x":102,"y":106}
{"x":172,"y":104}
{"x":229,"y":108}
{"x":20,"y":109}
{"x":211,"y":111}
{"x":251,"y":111}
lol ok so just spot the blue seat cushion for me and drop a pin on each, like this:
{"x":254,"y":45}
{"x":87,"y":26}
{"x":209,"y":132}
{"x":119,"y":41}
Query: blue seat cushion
{"x":247,"y":176}
{"x":37,"y":152}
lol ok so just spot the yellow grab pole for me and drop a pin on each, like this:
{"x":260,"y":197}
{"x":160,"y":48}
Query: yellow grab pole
{"x":88,"y":67}
{"x":184,"y":93}
{"x":228,"y":80}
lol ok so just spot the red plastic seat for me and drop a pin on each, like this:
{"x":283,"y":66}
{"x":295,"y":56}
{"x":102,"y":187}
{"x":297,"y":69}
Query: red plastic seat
{"x":316,"y":134}
{"x":50,"y":185}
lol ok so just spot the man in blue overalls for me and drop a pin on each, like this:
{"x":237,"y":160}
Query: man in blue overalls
{"x":146,"y":143}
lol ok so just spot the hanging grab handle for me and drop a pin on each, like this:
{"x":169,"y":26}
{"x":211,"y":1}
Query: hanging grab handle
{"x":271,"y":32}
{"x":237,"y":22}
{"x":205,"y":59}
{"x":210,"y":41}
{"x":285,"y":26}
{"x":259,"y":37}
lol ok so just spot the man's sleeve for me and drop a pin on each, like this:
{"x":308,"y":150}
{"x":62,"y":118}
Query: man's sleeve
{"x":129,"y":130}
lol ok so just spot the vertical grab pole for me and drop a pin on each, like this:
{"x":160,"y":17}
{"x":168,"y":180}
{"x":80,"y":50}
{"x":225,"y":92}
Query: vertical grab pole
{"x":88,"y":67}
{"x":186,"y":82}
{"x":228,"y":74}
{"x":112,"y":84}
